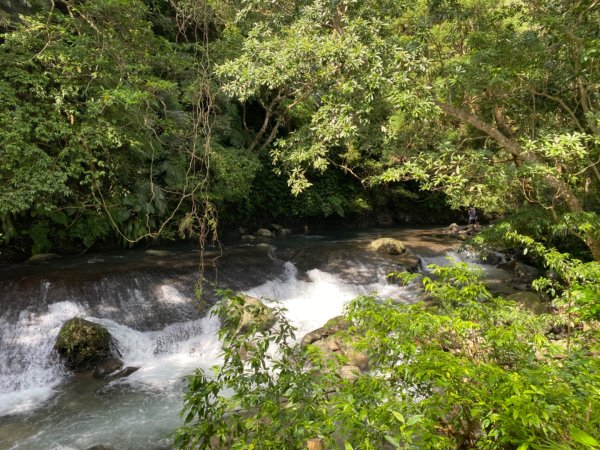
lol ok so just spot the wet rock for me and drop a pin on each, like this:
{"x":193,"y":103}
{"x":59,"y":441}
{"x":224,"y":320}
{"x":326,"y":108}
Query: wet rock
{"x":264,"y":232}
{"x":530,"y":301}
{"x":276,"y":227}
{"x":82,"y":344}
{"x":388,"y":246}
{"x":527,"y":273}
{"x":100,"y":447}
{"x":408,"y":261}
{"x":123,"y":373}
{"x":248,"y":237}
{"x":492,"y":258}
{"x":523,"y":271}
{"x":284,"y":232}
{"x":107,"y":367}
{"x":154,"y":252}
{"x":252,"y":314}
{"x":332,"y":326}
{"x":42,"y":257}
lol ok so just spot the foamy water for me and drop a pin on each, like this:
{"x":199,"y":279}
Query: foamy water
{"x":140,"y":410}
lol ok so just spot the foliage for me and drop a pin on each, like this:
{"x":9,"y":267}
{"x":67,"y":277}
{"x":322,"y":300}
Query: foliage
{"x":272,"y":372}
{"x":466,"y":371}
{"x":492,"y":103}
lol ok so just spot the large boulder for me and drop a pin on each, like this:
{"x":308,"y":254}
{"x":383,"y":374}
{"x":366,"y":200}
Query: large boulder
{"x":83,"y":344}
{"x":332,"y":326}
{"x":336,"y":346}
{"x":247,"y":313}
{"x":388,"y":246}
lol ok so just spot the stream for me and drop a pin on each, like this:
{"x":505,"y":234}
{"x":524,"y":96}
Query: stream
{"x":146,"y":300}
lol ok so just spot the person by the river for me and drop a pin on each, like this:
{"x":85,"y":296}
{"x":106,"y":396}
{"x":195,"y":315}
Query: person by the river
{"x":472,"y":219}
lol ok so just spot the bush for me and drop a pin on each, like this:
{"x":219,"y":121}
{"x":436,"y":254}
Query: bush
{"x":466,"y":371}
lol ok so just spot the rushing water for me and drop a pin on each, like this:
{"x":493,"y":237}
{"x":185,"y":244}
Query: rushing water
{"x":146,"y":301}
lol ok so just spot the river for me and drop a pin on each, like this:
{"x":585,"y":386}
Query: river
{"x":146,"y":300}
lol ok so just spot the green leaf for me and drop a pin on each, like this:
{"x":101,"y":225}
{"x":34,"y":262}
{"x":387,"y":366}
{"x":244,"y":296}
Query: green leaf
{"x":392,"y":441}
{"x":582,"y":437}
{"x":399,"y":417}
{"x":414,"y":419}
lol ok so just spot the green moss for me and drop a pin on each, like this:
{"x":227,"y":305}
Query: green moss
{"x":82,"y":343}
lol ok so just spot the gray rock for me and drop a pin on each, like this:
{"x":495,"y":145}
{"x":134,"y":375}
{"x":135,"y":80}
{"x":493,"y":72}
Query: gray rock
{"x":123,"y":373}
{"x":107,"y":367}
{"x":264,"y":232}
{"x":285,"y":232}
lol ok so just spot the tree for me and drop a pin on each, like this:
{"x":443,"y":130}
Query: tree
{"x":492,"y":103}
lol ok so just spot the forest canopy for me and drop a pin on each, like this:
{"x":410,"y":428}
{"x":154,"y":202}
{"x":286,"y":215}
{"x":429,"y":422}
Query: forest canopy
{"x":132,"y":120}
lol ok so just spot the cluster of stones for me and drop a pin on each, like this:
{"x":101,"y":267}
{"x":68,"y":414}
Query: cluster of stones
{"x":271,"y":232}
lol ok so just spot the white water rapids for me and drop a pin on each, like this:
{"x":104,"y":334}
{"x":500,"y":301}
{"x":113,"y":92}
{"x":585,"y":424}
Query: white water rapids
{"x":43,"y":406}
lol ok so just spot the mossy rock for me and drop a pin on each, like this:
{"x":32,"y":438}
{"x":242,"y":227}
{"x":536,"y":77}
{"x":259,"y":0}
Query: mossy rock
{"x":389,"y":246}
{"x":332,"y":326}
{"x":83,"y":343}
{"x":248,"y":313}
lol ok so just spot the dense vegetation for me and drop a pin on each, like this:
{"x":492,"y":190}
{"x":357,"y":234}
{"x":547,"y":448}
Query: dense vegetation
{"x":467,"y":371}
{"x":130,"y":120}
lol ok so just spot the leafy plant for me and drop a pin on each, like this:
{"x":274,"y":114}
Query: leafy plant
{"x":464,"y":371}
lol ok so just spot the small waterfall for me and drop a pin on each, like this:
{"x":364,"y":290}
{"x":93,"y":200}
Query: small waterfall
{"x":28,"y":365}
{"x":317,"y":296}
{"x":147,"y":304}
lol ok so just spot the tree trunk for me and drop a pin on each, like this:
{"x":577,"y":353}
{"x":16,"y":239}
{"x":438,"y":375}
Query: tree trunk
{"x":563,"y":190}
